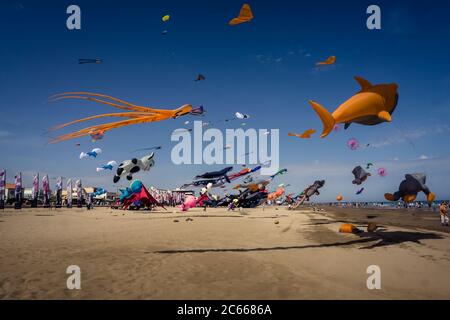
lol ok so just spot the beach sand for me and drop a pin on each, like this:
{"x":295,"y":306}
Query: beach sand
{"x":254,"y":254}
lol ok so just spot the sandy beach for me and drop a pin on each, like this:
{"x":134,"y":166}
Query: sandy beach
{"x":254,"y":254}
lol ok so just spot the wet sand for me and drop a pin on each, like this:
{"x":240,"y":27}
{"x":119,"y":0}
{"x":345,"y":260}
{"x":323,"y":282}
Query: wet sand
{"x":256,"y":254}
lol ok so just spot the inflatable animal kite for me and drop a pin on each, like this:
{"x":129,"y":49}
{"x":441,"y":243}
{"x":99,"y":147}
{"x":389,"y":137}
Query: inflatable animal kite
{"x":275,"y":195}
{"x":219,"y":181}
{"x":93,"y":153}
{"x":245,"y":15}
{"x":253,"y":186}
{"x":99,"y":192}
{"x":192,"y":202}
{"x":129,"y":167}
{"x":410,"y":187}
{"x":360,"y":175}
{"x":313,"y":189}
{"x":278,"y":173}
{"x":135,"y":115}
{"x":372,"y":105}
{"x":216,"y":174}
{"x":108,"y":166}
{"x":309,"y":192}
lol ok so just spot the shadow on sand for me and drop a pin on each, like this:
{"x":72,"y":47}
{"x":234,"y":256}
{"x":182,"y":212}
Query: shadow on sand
{"x":389,"y":238}
{"x":383,"y":238}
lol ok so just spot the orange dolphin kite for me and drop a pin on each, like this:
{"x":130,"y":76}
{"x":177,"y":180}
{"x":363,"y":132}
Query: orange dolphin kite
{"x":372,"y":105}
{"x":245,"y":15}
{"x":136,"y":114}
{"x":305,"y":135}
{"x":276,"y":194}
{"x":330,"y":60}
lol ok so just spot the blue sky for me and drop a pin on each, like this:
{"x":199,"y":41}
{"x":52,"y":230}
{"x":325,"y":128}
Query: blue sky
{"x":265,"y":68}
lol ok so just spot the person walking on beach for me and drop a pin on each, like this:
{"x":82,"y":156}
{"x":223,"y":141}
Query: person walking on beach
{"x":444,"y":216}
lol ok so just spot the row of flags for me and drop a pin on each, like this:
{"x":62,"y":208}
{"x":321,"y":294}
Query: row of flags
{"x":35,"y":191}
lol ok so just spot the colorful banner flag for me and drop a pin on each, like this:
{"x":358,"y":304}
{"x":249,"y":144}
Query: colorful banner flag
{"x":79,"y":194}
{"x":46,"y":191}
{"x":18,"y":191}
{"x":35,"y":191}
{"x":58,"y":192}
{"x":69,"y":192}
{"x":2,"y":188}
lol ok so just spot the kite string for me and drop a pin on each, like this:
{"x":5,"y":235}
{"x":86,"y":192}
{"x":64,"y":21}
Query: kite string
{"x":405,"y":136}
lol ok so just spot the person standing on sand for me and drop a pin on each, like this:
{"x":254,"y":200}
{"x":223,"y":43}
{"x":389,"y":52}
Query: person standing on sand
{"x":444,"y":216}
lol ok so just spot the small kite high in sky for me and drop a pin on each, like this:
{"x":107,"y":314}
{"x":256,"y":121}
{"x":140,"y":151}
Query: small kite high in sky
{"x":241,"y":116}
{"x":305,"y":135}
{"x":135,"y":115}
{"x":330,"y":60}
{"x":200,"y":77}
{"x":165,"y":18}
{"x":85,"y":61}
{"x":372,"y":105}
{"x":245,"y":15}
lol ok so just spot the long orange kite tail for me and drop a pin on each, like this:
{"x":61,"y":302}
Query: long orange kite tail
{"x":90,"y":97}
{"x":107,"y":127}
{"x":120,"y":115}
{"x":90,"y":94}
{"x":127,"y":106}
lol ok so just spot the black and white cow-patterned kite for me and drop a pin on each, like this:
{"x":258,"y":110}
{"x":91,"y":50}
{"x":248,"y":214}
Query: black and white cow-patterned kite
{"x":129,"y":167}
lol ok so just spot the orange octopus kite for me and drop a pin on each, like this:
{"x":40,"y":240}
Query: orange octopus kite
{"x":136,"y":114}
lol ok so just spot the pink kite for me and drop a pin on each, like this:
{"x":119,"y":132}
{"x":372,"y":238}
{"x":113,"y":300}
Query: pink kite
{"x":382,"y":172}
{"x":192,"y":202}
{"x":353,"y":144}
